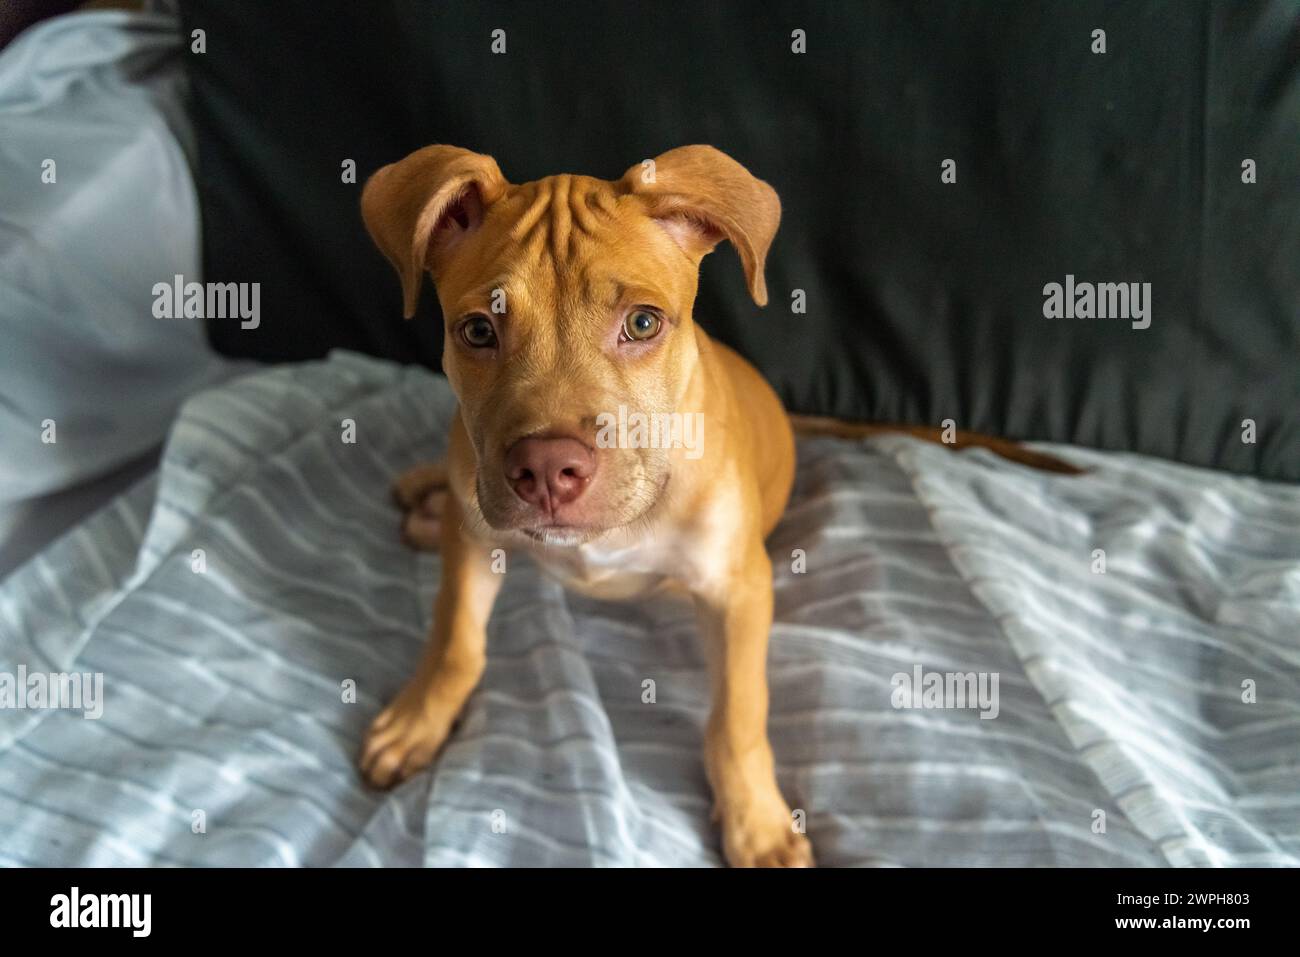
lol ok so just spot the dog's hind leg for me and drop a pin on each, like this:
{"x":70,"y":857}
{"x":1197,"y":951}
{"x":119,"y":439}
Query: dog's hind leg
{"x":421,"y":493}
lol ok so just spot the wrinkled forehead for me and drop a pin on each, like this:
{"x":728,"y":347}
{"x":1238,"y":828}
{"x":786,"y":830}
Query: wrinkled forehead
{"x":569,"y":238}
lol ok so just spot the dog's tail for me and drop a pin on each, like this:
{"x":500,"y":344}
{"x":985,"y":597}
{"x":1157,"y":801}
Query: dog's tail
{"x":1007,"y":449}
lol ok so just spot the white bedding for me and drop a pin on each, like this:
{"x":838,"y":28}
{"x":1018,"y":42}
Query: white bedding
{"x":1120,"y":694}
{"x":97,"y":203}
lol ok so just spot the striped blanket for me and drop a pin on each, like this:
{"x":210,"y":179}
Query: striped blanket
{"x":971,"y":663}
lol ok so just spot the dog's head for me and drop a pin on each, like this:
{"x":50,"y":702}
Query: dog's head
{"x":566,"y":300}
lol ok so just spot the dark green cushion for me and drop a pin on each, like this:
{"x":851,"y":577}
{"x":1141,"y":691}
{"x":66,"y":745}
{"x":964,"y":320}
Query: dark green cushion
{"x":924,"y":300}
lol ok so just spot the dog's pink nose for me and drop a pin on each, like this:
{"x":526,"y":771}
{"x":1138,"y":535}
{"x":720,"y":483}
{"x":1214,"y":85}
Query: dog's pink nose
{"x":549,"y":472}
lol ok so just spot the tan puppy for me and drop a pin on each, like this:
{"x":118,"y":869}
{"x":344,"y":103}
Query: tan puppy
{"x":566,"y":299}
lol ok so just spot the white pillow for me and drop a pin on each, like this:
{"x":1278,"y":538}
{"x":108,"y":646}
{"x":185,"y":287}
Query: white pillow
{"x":94,"y":102}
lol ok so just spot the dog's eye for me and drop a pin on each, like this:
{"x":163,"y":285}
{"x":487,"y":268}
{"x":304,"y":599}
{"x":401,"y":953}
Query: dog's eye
{"x":641,"y":324}
{"x":477,"y":332}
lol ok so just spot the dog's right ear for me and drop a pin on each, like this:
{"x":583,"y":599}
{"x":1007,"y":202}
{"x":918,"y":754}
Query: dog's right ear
{"x":700,"y":196}
{"x":424,"y":204}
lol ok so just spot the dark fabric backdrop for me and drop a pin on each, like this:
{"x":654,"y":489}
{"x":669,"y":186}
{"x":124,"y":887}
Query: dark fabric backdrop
{"x":924,"y":300}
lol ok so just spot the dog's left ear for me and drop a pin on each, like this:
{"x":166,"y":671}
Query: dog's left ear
{"x":700,"y":196}
{"x":421,"y":206}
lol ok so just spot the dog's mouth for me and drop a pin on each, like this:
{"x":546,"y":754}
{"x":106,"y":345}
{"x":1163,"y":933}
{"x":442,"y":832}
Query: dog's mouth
{"x":562,"y":535}
{"x":578,"y":523}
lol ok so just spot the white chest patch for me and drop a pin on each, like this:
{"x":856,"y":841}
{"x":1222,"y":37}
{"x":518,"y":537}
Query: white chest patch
{"x":624,"y":563}
{"x":622,"y":567}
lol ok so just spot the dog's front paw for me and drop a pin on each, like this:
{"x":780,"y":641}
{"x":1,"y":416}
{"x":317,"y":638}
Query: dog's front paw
{"x":764,"y":836}
{"x":421,"y":493}
{"x":402,"y":740}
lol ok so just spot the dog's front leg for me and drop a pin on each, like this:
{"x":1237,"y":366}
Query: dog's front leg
{"x":408,"y":733}
{"x":735,"y":617}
